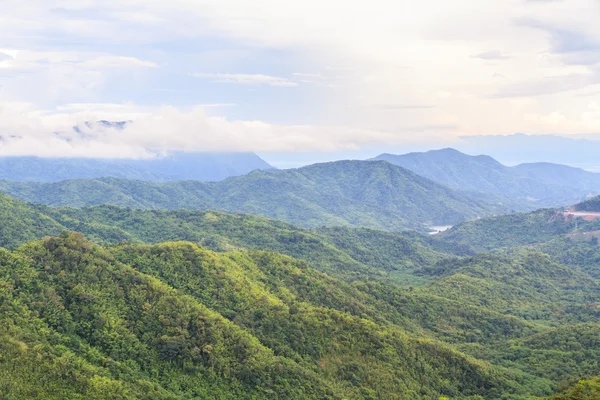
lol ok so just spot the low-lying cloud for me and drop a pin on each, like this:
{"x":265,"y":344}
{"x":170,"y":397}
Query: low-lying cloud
{"x":151,"y":134}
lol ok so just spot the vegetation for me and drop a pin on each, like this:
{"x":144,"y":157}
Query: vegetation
{"x":585,"y":389}
{"x":592,"y":205}
{"x":257,"y":308}
{"x":345,"y":193}
{"x":89,"y":323}
{"x":522,"y":187}
{"x":512,"y":230}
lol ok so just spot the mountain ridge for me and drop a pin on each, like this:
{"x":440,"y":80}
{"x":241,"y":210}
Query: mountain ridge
{"x":535,"y":184}
{"x":175,"y":166}
{"x":344,"y":193}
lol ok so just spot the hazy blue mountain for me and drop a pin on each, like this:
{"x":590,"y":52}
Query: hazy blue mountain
{"x":178,"y":166}
{"x":345,"y":193}
{"x":536,"y":184}
{"x":521,"y":148}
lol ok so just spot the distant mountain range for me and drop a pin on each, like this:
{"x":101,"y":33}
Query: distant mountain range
{"x":345,"y":193}
{"x":535,"y":184}
{"x":177,"y":166}
{"x":522,"y":148}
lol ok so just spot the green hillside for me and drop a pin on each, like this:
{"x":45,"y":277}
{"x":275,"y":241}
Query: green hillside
{"x":592,"y":205}
{"x":344,"y":252}
{"x":532,"y":185}
{"x":509,"y":230}
{"x":345,"y":193}
{"x":405,"y":315}
{"x":22,"y":222}
{"x":585,"y":389}
{"x":90,"y":323}
{"x":523,"y":283}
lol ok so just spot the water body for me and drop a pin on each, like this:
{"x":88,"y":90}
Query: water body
{"x":438,"y":229}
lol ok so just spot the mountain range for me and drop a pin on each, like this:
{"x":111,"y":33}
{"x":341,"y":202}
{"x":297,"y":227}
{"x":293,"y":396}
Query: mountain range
{"x":116,"y":288}
{"x":535,"y":184}
{"x":247,"y":312}
{"x":523,"y":148}
{"x":345,"y":193}
{"x":176,"y":166}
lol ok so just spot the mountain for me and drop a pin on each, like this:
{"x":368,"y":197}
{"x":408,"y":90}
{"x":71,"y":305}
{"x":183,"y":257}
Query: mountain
{"x":247,"y":311}
{"x":522,"y":148}
{"x":339,"y":251}
{"x":533,"y":185}
{"x":177,"y":166}
{"x":344,"y":193}
{"x":176,"y":321}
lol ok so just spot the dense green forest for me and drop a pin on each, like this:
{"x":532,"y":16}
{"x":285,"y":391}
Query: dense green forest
{"x":204,"y":304}
{"x":517,"y":229}
{"x":345,"y":193}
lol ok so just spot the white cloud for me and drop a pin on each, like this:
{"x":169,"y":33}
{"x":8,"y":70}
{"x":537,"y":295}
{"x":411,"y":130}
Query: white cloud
{"x":117,"y":62}
{"x":446,"y":55}
{"x":26,"y":131}
{"x":247,"y":79}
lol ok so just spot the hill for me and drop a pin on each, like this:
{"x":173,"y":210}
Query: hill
{"x":522,"y":148}
{"x":534,"y":185}
{"x":177,"y":321}
{"x":345,"y":193}
{"x":177,"y":166}
{"x":521,"y":282}
{"x":517,"y":314}
{"x":512,"y":230}
{"x":343,"y":252}
{"x":591,"y":205}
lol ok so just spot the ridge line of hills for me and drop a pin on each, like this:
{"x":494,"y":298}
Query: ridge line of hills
{"x":178,"y":304}
{"x":175,"y":166}
{"x":502,"y":312}
{"x":537,"y":184}
{"x":374,"y":194}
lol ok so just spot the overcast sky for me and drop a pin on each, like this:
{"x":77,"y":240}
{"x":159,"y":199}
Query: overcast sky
{"x":297,"y":76}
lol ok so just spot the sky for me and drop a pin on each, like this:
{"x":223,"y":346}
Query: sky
{"x":292,"y":80}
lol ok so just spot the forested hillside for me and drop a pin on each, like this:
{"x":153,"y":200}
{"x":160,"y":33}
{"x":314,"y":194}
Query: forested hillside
{"x":534,"y":185}
{"x":340,"y":251}
{"x":592,"y":205}
{"x":345,"y":193}
{"x":400,"y":315}
{"x":93,"y":323}
{"x":511,"y":230}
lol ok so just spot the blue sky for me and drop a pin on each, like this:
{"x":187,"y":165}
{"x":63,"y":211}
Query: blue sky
{"x":296,"y":80}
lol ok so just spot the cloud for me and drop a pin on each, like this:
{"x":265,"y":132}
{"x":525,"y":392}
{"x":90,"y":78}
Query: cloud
{"x":26,"y":131}
{"x":391,"y":54}
{"x":5,"y":57}
{"x":248,"y":79}
{"x":491,"y":55}
{"x":550,"y":85}
{"x":117,"y":62}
